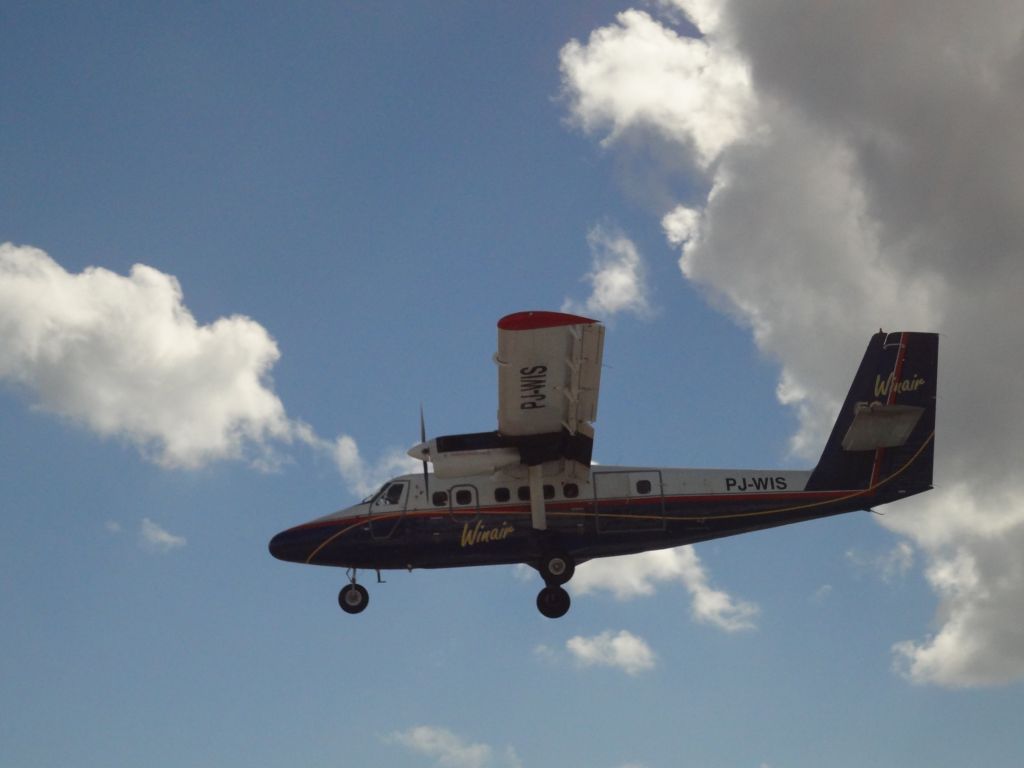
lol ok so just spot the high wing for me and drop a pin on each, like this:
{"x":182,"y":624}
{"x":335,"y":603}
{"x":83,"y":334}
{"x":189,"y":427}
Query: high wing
{"x":549,"y":374}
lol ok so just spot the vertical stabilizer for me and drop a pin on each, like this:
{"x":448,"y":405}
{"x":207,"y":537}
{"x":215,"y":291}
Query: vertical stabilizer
{"x":884,"y":437}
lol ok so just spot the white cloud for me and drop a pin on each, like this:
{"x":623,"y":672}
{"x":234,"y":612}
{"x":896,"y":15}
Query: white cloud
{"x":622,"y":650}
{"x":617,"y":277}
{"x":888,"y":566}
{"x":638,"y":73}
{"x":981,"y":637}
{"x":451,"y":751}
{"x":124,"y":357}
{"x":632,"y":576}
{"x":363,"y":478}
{"x":868,"y":174}
{"x":822,"y":593}
{"x":544,"y":652}
{"x":153,"y":536}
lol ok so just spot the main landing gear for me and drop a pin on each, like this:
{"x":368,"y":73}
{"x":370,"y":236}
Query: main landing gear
{"x":556,"y":569}
{"x":553,"y":602}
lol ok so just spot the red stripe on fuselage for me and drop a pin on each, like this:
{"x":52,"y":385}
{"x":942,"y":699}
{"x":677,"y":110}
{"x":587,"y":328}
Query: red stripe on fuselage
{"x":584,"y":507}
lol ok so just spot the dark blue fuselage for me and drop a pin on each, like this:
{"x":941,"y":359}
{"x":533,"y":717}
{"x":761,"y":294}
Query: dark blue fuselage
{"x":582,"y":529}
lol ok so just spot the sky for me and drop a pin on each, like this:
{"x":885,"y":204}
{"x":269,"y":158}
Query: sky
{"x":242,"y":243}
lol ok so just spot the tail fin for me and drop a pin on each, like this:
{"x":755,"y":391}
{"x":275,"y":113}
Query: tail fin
{"x":884,"y":437}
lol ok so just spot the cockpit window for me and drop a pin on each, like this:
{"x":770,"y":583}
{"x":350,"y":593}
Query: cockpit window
{"x":390,"y":495}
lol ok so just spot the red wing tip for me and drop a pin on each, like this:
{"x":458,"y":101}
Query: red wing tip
{"x":532,"y":320}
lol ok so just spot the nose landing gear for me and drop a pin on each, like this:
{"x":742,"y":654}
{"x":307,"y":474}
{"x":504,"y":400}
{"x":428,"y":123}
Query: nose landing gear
{"x":353,"y":597}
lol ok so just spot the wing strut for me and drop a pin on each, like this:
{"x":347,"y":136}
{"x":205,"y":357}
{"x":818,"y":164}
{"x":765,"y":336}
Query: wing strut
{"x":537,"y":511}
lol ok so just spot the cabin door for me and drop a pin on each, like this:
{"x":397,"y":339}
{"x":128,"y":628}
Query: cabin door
{"x":388,"y":509}
{"x":629,"y":501}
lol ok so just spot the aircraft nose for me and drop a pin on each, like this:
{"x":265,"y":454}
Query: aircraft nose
{"x":293,"y":545}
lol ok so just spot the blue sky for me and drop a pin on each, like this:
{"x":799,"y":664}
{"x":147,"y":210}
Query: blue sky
{"x":334,"y":203}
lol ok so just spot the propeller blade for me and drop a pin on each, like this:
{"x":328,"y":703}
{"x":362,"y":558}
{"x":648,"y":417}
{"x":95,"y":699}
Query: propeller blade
{"x":423,"y":441}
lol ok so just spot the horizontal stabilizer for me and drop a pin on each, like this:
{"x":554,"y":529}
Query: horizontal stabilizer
{"x":876,"y":425}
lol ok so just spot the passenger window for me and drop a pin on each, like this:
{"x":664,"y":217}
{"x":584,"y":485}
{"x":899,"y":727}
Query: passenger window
{"x":523,"y":492}
{"x":502,"y":495}
{"x":440,"y":498}
{"x":643,"y":486}
{"x":570,"y":490}
{"x":463,"y":497}
{"x":549,"y":491}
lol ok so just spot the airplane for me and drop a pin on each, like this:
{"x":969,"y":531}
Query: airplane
{"x":529,"y":492}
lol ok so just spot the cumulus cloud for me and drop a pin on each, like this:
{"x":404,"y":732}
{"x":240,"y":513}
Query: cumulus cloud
{"x":622,"y":650}
{"x":451,"y":751}
{"x":157,"y":538}
{"x":981,"y":635}
{"x":364,"y":477}
{"x":888,"y":566}
{"x":124,"y":357}
{"x":638,"y":73}
{"x":617,"y":277}
{"x":632,"y":576}
{"x":867,"y":173}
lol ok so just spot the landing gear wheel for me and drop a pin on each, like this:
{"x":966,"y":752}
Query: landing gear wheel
{"x":353,"y":598}
{"x":553,"y":602}
{"x":557,"y":569}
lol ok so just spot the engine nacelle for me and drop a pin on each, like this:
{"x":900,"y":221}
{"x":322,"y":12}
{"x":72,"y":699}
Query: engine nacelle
{"x":480,"y":461}
{"x":484,"y":453}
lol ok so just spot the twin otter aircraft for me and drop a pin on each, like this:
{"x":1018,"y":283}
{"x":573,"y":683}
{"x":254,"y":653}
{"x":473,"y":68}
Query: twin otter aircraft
{"x":527,"y":493}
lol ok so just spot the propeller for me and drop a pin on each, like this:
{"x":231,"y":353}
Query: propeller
{"x":426,"y":451}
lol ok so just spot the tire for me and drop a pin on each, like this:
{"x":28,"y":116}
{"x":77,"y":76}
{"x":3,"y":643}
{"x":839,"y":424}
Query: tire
{"x":557,"y":569}
{"x":553,"y":602}
{"x":353,"y":598}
